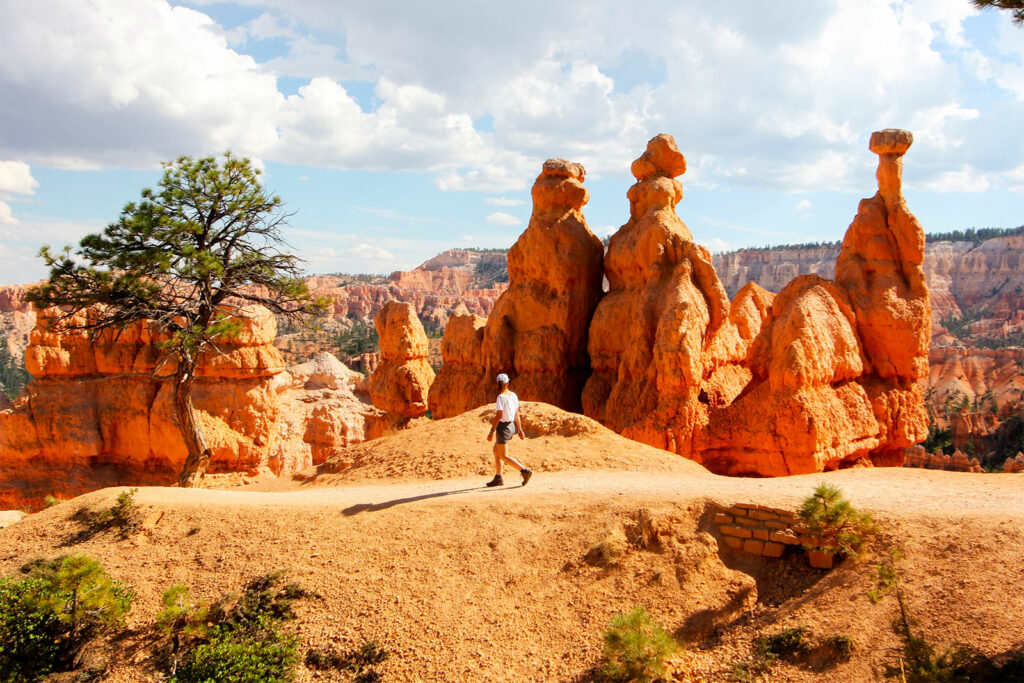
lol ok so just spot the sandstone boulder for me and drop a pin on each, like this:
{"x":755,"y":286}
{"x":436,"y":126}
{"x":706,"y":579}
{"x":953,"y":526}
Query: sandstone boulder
{"x":537,"y":332}
{"x":401,"y":382}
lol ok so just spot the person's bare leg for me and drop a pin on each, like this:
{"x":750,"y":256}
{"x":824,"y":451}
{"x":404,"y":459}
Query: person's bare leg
{"x":499,"y":453}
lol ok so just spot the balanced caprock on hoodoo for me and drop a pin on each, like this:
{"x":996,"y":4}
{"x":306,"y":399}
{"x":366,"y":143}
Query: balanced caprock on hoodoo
{"x":821,"y":376}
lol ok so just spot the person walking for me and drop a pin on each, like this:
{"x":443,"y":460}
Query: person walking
{"x":506,"y":425}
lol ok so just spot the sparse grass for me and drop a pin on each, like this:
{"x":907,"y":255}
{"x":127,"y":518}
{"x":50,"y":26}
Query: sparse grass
{"x":917,"y":660}
{"x":636,"y":648}
{"x":607,"y":552}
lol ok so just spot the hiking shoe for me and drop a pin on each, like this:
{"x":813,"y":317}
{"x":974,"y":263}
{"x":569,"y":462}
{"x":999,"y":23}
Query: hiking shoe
{"x":497,"y":481}
{"x":526,"y":476}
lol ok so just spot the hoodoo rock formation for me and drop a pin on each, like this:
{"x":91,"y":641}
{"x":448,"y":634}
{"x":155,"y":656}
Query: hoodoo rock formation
{"x":94,"y":416}
{"x":537,"y":332}
{"x":665,"y":327}
{"x":823,"y":375}
{"x":91,"y":416}
{"x":457,"y":387}
{"x":400,"y":383}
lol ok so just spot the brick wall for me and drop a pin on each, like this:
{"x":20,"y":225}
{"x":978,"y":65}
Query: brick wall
{"x":761,"y":530}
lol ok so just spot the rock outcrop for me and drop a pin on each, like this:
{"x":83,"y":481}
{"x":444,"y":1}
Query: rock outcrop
{"x":401,"y":381}
{"x":324,"y":407}
{"x":666,"y":325}
{"x":823,"y":375}
{"x":94,"y":415}
{"x":917,"y":456}
{"x":537,"y":332}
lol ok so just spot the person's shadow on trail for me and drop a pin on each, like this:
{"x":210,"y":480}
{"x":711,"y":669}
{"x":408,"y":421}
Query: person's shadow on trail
{"x":375,"y":507}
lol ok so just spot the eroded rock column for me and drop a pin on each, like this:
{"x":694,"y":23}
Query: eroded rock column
{"x":537,"y":332}
{"x":400,"y":384}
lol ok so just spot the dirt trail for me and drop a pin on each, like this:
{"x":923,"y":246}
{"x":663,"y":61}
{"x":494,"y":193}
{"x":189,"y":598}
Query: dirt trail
{"x":464,"y":583}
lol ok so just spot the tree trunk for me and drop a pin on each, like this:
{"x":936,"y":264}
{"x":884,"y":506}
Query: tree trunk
{"x":198,"y":453}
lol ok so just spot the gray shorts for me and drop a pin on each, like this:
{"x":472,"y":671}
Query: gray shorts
{"x":505,"y":432}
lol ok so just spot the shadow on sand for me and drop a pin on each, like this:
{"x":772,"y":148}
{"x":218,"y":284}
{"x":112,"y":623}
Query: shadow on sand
{"x":375,"y":507}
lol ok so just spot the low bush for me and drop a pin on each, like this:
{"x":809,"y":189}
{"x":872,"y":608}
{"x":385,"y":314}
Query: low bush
{"x":257,"y":652}
{"x":359,"y":661}
{"x":124,"y":515}
{"x":636,"y":648}
{"x":46,"y":616}
{"x":237,"y":638}
{"x":840,"y":528}
{"x":789,"y":644}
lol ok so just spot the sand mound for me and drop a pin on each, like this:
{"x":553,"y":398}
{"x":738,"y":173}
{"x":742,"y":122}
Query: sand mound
{"x":556,"y":440}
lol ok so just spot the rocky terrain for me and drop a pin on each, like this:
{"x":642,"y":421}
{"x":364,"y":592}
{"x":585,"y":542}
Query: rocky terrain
{"x":461,"y":582}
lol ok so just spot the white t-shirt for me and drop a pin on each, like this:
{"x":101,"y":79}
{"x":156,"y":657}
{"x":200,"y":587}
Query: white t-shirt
{"x":508,"y":404}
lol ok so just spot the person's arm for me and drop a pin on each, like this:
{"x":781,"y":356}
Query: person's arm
{"x":519,"y":426}
{"x":494,"y":424}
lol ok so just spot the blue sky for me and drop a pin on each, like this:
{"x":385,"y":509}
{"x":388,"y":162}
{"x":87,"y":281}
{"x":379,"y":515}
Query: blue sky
{"x":396,"y":130}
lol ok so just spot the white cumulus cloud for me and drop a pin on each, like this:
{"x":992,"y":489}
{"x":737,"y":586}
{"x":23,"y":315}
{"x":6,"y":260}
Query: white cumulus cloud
{"x":502,"y":218}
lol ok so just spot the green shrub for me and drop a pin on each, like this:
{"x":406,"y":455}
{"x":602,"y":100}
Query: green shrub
{"x":842,"y":529}
{"x":180,"y":615}
{"x":46,"y":616}
{"x":236,"y":639}
{"x":841,"y":645}
{"x":258,"y":653}
{"x":124,"y":515}
{"x":32,"y":637}
{"x":636,"y":647}
{"x":786,"y":644}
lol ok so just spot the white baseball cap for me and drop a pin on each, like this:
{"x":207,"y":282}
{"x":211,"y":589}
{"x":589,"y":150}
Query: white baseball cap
{"x":503,"y":378}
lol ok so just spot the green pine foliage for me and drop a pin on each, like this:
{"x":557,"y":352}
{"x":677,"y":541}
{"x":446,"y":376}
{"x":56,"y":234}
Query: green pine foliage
{"x":636,"y":648}
{"x":841,"y":528}
{"x":256,"y":653}
{"x":47,"y":615}
{"x":1015,"y":7}
{"x":182,"y":258}
{"x":13,"y":375}
{"x":239,"y":638}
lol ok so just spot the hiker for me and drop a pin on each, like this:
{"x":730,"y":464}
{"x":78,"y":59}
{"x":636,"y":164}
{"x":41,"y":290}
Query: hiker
{"x":506,"y":425}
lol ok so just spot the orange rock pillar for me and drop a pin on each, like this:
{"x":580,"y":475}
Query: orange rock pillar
{"x":537,"y":332}
{"x":400,"y":383}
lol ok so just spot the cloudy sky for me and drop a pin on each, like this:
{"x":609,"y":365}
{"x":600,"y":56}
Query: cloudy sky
{"x":396,"y":130}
